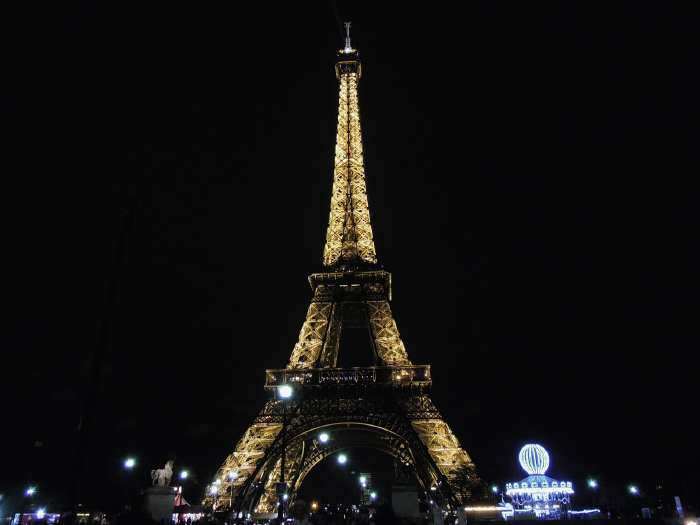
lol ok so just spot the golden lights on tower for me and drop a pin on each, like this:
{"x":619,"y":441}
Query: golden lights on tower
{"x":350,"y":290}
{"x":349,"y":236}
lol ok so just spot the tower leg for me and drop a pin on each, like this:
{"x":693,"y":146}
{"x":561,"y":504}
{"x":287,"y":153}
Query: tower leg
{"x":240,"y":467}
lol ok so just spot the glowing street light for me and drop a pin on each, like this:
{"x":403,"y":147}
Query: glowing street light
{"x":323,"y":437}
{"x":342,"y":459}
{"x":129,"y":463}
{"x":633,"y":489}
{"x":285,"y":391}
{"x":372,"y":495}
{"x":184,"y":474}
{"x":593,"y":484}
{"x":30,"y":491}
{"x":494,"y":489}
{"x":40,"y":514}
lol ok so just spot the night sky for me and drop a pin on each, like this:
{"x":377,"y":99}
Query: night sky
{"x":530,"y":170}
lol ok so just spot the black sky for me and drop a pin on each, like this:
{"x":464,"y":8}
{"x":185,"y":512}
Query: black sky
{"x":531,"y":174}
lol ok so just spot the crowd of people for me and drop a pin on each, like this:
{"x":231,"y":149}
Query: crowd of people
{"x":381,"y":515}
{"x":300,"y":514}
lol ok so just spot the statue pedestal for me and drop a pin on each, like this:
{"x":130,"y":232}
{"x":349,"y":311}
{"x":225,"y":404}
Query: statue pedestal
{"x":159,"y":503}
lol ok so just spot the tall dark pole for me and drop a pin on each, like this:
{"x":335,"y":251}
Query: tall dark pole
{"x":98,"y":357}
{"x":23,"y":506}
{"x":282,"y":489}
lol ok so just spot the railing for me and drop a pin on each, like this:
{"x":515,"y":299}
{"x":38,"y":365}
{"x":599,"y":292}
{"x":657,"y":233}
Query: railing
{"x":417,"y":375}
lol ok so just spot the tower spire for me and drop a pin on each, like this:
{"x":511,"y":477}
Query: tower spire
{"x":348,"y":45}
{"x":349,"y":240}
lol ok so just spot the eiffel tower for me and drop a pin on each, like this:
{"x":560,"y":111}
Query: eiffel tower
{"x":386,"y":406}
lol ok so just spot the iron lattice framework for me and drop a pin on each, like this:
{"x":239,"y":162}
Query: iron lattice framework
{"x":385,"y":406}
{"x":349,"y":236}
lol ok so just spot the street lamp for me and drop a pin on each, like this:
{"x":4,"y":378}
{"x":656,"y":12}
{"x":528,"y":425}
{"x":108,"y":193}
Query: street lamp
{"x":184,"y":474}
{"x":633,"y":489}
{"x":285,"y":392}
{"x":494,"y":492}
{"x":29,"y":491}
{"x":592,"y":484}
{"x":232,"y":476}
{"x":129,"y":465}
{"x":342,"y":459}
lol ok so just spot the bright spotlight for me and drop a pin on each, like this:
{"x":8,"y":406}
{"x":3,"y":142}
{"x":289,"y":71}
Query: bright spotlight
{"x":373,"y":495}
{"x":285,"y":497}
{"x":30,"y":491}
{"x":592,"y":483}
{"x":285,"y":391}
{"x":363,"y":479}
{"x":342,"y":459}
{"x":129,"y":463}
{"x":41,"y":514}
{"x":494,"y":489}
{"x":323,"y":437}
{"x":232,"y":475}
{"x":213,"y":490}
{"x":633,"y":489}
{"x":184,"y":474}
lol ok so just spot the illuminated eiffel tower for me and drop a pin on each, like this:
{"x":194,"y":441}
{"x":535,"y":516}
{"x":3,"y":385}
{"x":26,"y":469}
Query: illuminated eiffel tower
{"x":386,"y":407}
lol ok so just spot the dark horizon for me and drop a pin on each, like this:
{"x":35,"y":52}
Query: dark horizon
{"x":528,"y":173}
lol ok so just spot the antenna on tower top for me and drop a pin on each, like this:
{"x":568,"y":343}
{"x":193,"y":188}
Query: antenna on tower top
{"x":348,"y":45}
